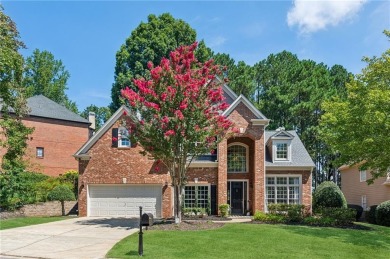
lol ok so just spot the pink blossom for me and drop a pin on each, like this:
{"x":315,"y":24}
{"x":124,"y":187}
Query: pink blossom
{"x":183,"y":105}
{"x":156,"y":169}
{"x":114,"y":139}
{"x":152,"y":105}
{"x":179,"y":115}
{"x":142,"y":122}
{"x":169,"y":133}
{"x":150,"y":65}
{"x":163,"y":97}
{"x":124,"y":113}
{"x":235,"y":130}
{"x":165,"y":119}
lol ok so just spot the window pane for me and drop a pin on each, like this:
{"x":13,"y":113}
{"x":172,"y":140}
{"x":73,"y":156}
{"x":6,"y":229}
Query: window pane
{"x":270,"y":180}
{"x":281,"y":150}
{"x":281,"y":180}
{"x":294,"y":195}
{"x":281,"y":194}
{"x":236,"y":156}
{"x":293,"y":180}
{"x":270,"y":194}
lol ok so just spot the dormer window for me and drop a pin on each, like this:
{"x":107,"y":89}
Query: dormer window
{"x":281,"y":151}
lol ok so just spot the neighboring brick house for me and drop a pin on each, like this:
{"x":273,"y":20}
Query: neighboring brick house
{"x":58,"y":134}
{"x":250,"y":170}
{"x":357,"y":191}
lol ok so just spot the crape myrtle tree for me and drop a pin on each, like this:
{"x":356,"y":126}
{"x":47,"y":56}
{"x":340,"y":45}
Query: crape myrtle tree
{"x":177,"y":114}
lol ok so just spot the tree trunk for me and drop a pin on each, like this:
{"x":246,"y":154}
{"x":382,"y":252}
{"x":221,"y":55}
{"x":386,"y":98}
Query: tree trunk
{"x":178,"y":198}
{"x":63,"y":208}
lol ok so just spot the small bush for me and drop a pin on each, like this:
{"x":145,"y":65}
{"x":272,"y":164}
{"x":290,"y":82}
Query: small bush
{"x":224,"y":209}
{"x":341,"y":216}
{"x":269,"y":218}
{"x":370,"y":214}
{"x":61,"y":193}
{"x":358,"y":209}
{"x":196,"y":211}
{"x":382,"y":214}
{"x":328,"y":195}
{"x":71,"y":178}
{"x":319,"y":221}
{"x":292,"y":212}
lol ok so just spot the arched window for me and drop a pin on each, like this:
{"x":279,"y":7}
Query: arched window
{"x":237,"y":158}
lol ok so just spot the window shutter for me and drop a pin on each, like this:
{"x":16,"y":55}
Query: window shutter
{"x":213,"y":200}
{"x":114,"y":137}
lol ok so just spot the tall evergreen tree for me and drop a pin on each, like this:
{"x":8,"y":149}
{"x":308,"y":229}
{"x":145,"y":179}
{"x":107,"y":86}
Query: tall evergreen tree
{"x":43,"y":74}
{"x":150,"y":41}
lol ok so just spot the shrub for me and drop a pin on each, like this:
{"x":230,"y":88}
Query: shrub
{"x":269,"y":218}
{"x":292,"y":212}
{"x":370,"y":214}
{"x":382,"y":214}
{"x":358,"y":209}
{"x":18,"y":189}
{"x":61,"y":193}
{"x":341,"y":216}
{"x":70,"y":178}
{"x":196,"y":211}
{"x":224,"y":209}
{"x":328,"y":194}
{"x":319,"y":221}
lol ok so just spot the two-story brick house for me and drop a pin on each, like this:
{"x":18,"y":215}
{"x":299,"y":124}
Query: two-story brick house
{"x":58,"y":134}
{"x":250,"y":170}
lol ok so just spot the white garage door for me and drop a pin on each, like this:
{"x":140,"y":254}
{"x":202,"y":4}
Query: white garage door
{"x":124,"y":200}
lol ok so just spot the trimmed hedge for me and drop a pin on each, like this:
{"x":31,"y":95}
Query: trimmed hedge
{"x":370,"y":214}
{"x":328,"y":195}
{"x":358,"y":209}
{"x":382,"y":214}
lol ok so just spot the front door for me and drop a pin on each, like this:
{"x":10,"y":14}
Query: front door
{"x":237,"y":197}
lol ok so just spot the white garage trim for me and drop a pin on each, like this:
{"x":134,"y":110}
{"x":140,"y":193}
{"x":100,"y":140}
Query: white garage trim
{"x":123,"y":200}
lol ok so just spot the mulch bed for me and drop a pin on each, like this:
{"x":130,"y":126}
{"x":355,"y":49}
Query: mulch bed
{"x":186,"y":225}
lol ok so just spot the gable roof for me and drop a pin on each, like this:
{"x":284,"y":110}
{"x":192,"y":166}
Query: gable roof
{"x":299,"y":155}
{"x":247,"y":103}
{"x":82,"y":152}
{"x":282,"y":134}
{"x":41,"y":106}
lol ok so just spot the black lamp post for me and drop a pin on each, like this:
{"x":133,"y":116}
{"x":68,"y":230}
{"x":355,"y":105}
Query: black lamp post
{"x":140,"y":234}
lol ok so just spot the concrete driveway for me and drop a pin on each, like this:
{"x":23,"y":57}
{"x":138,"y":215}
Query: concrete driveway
{"x":72,"y":238}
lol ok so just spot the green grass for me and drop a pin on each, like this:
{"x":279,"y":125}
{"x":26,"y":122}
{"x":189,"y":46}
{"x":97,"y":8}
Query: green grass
{"x":259,"y":241}
{"x":21,"y":222}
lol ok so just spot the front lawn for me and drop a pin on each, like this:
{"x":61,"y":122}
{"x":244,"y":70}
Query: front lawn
{"x":259,"y":241}
{"x":21,"y":222}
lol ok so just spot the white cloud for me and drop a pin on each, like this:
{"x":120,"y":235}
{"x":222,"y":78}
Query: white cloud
{"x":216,"y":41}
{"x":313,"y":15}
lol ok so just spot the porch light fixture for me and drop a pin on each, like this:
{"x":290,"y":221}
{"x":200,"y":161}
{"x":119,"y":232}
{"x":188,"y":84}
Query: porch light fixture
{"x":196,"y":180}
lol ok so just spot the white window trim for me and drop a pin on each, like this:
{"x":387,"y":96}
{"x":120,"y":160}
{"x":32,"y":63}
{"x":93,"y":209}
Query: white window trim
{"x":120,"y":129}
{"x":246,"y":157}
{"x":283,"y":175}
{"x":274,"y":148}
{"x":364,"y":202}
{"x":361,"y":174}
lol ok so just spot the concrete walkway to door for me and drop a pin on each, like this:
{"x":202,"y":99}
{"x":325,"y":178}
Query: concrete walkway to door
{"x":72,"y":238}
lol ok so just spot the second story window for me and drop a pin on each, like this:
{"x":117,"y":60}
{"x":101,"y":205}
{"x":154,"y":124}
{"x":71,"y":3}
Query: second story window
{"x":237,"y":158}
{"x":281,"y":151}
{"x":363,"y":175}
{"x":40,"y":153}
{"x":123,"y":137}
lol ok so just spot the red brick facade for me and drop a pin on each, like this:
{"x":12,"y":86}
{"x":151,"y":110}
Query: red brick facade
{"x":108,"y":165}
{"x":60,"y":140}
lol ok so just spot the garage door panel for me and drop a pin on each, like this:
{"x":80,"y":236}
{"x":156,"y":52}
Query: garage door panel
{"x":124,"y":200}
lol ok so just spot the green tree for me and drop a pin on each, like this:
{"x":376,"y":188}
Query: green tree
{"x":357,"y":127}
{"x":102,"y":114}
{"x":61,"y":193}
{"x":13,"y":133}
{"x":150,"y":41}
{"x":45,"y":75}
{"x":290,"y":92}
{"x":12,"y":100}
{"x":240,"y":75}
{"x":178,"y":107}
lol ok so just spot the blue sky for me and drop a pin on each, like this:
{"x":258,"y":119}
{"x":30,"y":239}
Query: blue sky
{"x":86,"y":35}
